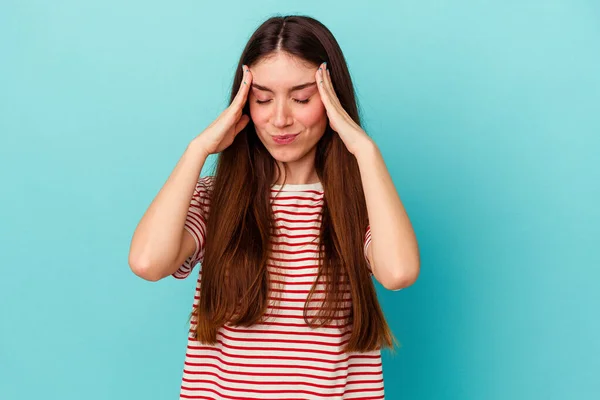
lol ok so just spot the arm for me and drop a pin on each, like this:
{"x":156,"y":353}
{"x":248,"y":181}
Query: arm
{"x":159,"y":243}
{"x":393,"y":252}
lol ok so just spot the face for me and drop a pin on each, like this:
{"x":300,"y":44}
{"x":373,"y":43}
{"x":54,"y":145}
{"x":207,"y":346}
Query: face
{"x":284,"y":100}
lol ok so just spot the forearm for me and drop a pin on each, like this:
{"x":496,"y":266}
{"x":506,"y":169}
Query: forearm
{"x":394,"y":248}
{"x":157,"y":238}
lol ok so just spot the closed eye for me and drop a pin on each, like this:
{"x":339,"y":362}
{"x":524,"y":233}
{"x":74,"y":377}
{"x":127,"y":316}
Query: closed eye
{"x":297,"y":101}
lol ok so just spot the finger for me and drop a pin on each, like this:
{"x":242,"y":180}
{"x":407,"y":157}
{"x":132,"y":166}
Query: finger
{"x":334,"y":104}
{"x":321,"y":78}
{"x":239,"y":95}
{"x":242,"y":94}
{"x":319,"y":75}
{"x":327,"y":86}
{"x":231,"y":116}
{"x":321,"y":85}
{"x":328,"y":83}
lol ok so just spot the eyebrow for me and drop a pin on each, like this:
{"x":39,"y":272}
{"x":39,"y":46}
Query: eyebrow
{"x":294,"y":88}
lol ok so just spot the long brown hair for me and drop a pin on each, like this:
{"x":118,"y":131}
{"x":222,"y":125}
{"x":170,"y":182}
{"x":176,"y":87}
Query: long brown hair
{"x":235,"y":280}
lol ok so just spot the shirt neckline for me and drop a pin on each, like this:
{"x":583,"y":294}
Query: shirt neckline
{"x":299,"y":187}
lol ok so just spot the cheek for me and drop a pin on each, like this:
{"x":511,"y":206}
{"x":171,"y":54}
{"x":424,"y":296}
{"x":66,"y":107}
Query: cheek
{"x":259,"y":115}
{"x":312,"y":114}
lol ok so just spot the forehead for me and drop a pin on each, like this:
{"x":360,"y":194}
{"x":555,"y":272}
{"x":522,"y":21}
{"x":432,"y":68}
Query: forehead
{"x":281,"y":71}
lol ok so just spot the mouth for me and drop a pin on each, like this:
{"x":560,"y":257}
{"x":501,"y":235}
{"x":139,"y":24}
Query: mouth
{"x":285,"y":139}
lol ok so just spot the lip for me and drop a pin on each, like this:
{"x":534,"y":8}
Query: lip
{"x":285,"y":139}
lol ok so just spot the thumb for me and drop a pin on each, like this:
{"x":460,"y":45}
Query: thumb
{"x":241,"y":124}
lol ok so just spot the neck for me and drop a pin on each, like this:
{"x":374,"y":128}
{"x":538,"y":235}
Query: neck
{"x":298,"y":172}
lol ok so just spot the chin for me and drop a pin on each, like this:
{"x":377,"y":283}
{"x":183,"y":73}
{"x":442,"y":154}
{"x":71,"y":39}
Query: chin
{"x":286,"y":155}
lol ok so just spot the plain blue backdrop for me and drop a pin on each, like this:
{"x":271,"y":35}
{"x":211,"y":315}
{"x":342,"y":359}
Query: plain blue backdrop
{"x":488,"y":117}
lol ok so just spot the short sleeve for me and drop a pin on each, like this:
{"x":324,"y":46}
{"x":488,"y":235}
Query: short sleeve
{"x":367,"y":243}
{"x":195,"y":224}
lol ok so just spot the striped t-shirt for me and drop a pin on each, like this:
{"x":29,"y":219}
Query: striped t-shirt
{"x":281,"y":358}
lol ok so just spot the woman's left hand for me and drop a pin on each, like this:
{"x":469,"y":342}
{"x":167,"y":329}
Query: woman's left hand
{"x":353,"y":136}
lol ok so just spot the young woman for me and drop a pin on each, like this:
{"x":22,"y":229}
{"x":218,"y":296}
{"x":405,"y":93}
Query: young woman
{"x":299,"y":216}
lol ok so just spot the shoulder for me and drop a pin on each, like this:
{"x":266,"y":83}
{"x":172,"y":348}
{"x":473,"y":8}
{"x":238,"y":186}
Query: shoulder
{"x":205,"y":184}
{"x":203,"y":192}
{"x":206,"y":180}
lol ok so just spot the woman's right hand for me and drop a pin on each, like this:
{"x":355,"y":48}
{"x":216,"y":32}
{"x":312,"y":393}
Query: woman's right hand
{"x":220,"y":134}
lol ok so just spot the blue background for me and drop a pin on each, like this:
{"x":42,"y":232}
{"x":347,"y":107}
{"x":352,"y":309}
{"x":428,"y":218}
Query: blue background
{"x":488,"y":117}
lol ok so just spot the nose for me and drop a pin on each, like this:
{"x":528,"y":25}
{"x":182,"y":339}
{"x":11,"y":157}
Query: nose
{"x":281,"y":115}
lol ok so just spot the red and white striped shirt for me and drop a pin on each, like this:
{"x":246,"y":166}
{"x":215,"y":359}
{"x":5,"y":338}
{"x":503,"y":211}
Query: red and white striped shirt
{"x":281,"y":358}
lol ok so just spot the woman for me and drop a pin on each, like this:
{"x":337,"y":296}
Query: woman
{"x":298,"y":217}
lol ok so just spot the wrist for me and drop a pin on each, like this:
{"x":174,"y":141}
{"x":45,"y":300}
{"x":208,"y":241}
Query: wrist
{"x":197,"y":147}
{"x":366,"y":150}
